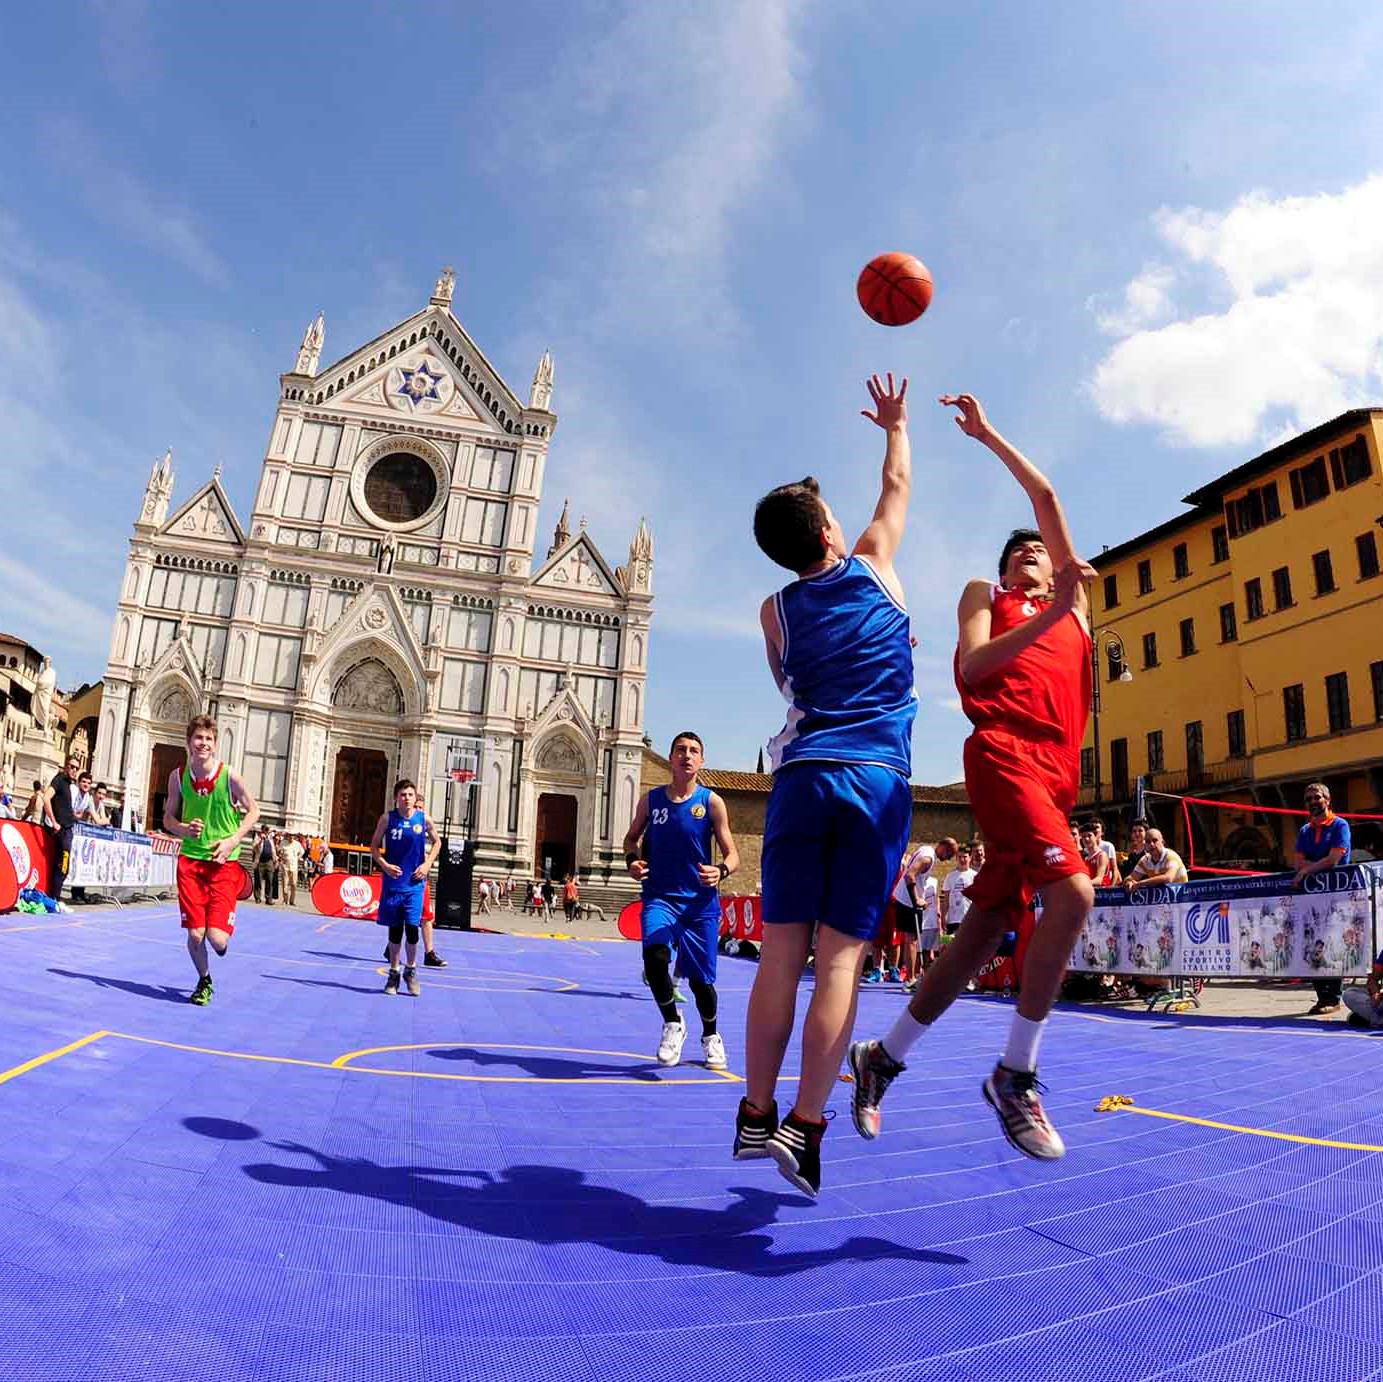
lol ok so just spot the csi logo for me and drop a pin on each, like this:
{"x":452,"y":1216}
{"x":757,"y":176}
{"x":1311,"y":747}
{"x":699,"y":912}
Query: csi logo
{"x":1200,"y":923}
{"x":355,"y":892}
{"x":1328,"y":881}
{"x":18,"y":848}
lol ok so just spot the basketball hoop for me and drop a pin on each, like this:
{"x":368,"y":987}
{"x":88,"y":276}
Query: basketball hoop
{"x":462,"y":775}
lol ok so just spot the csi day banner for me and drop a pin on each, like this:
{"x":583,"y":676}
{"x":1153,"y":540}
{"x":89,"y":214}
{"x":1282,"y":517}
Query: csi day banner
{"x":1241,"y":927}
{"x":103,"y":857}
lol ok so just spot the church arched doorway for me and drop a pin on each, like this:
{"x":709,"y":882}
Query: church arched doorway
{"x":556,"y":835}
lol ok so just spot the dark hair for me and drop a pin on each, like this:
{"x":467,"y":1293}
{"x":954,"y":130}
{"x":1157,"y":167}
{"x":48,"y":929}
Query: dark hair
{"x":404,"y":782}
{"x":1138,"y":820}
{"x":38,"y":786}
{"x":1016,"y":539}
{"x":688,"y":734}
{"x":85,"y":773}
{"x":788,"y":523}
{"x":101,"y":787}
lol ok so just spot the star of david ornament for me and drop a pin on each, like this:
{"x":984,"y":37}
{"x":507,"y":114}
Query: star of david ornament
{"x":420,"y":385}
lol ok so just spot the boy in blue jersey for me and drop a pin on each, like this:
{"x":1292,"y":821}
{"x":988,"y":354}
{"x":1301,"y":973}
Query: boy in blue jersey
{"x":1322,"y":843}
{"x":839,"y":647}
{"x":404,"y":845}
{"x":681,"y":904}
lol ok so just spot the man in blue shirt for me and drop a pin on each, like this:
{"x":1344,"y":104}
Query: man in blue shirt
{"x":1322,"y":843}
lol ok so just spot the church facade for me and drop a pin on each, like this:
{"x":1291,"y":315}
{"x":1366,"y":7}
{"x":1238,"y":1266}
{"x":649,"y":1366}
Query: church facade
{"x":382,"y":615}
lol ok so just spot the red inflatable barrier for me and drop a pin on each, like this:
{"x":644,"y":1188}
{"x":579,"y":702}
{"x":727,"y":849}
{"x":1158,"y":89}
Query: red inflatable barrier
{"x":247,"y":884}
{"x":355,"y":895}
{"x":9,"y":881}
{"x":1003,"y":973}
{"x":32,"y":851}
{"x":742,"y":918}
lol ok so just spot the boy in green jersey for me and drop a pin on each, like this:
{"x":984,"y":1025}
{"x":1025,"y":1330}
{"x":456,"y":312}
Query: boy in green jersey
{"x":212,"y":810}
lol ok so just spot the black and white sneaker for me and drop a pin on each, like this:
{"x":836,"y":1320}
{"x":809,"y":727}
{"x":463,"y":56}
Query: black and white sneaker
{"x":796,"y":1147}
{"x":752,"y":1131}
{"x":874,"y":1070}
{"x":434,"y":961}
{"x":391,"y":984}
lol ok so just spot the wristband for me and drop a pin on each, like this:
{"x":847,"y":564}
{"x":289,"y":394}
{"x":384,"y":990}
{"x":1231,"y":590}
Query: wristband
{"x":724,"y":872}
{"x":630,"y":860}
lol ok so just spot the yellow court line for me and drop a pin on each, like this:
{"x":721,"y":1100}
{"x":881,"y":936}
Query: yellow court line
{"x":1252,"y":1132}
{"x":34,"y":1064}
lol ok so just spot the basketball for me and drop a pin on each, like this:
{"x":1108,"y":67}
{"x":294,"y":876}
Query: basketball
{"x":894,"y":289}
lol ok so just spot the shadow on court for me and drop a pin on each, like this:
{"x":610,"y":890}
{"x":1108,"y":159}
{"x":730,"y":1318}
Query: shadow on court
{"x":550,"y":1067}
{"x":326,"y":983}
{"x":164,"y":993}
{"x":550,"y":1205}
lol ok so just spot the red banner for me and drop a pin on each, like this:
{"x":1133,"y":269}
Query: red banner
{"x":32,"y":851}
{"x":355,"y":895}
{"x":742,"y":918}
{"x":9,"y":881}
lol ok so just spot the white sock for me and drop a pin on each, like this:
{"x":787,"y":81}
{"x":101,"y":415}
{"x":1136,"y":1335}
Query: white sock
{"x":1023,"y":1038}
{"x":903,"y":1035}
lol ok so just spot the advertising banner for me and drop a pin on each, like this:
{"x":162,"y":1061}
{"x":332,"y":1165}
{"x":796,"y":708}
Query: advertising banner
{"x":355,"y":895}
{"x":1256,"y":927}
{"x":742,"y":919}
{"x":103,"y":857}
{"x":31,"y":849}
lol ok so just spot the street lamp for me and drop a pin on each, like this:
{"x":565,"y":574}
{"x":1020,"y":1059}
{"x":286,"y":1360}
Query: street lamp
{"x":1114,"y":648}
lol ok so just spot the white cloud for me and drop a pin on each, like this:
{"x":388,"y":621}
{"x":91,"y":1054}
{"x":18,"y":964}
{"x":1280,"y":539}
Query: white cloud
{"x":1146,"y":300}
{"x":45,"y":614}
{"x":1296,"y":338}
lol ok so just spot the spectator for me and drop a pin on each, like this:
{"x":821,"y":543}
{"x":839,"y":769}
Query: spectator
{"x":1096,"y":860}
{"x":266,"y":857}
{"x":954,"y":903}
{"x":291,"y":856}
{"x":1158,"y":864}
{"x":571,"y":896}
{"x":977,"y":855}
{"x":1366,"y":1005}
{"x":483,"y":893}
{"x":1322,"y":843}
{"x":59,"y":817}
{"x":928,"y":933}
{"x":328,"y":858}
{"x":37,"y":809}
{"x":100,"y":811}
{"x":81,"y":798}
{"x":1137,"y":843}
{"x":1106,"y":848}
{"x":7,"y":811}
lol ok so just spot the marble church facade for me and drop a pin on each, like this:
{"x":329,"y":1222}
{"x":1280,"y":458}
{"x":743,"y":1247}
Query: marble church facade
{"x":383,"y":614}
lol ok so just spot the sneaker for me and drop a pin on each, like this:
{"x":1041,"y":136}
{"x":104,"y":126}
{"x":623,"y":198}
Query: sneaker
{"x":1012,"y":1094}
{"x":434,"y":961}
{"x":1322,"y":1009}
{"x":910,"y":986}
{"x":713,"y":1052}
{"x":670,"y":1044}
{"x":752,"y":1131}
{"x":677,"y":995}
{"x":874,"y":1070}
{"x":796,"y":1147}
{"x":391,"y":984}
{"x":201,"y":995}
{"x":410,"y":981}
{"x":874,"y":976}
{"x":893,"y":976}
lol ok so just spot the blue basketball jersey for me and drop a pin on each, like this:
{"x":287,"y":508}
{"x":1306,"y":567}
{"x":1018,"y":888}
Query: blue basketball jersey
{"x":677,"y":839}
{"x":847,"y":671}
{"x":405,"y":844}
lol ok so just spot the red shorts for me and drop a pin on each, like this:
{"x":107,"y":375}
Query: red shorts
{"x":207,"y":893}
{"x":1022,"y":793}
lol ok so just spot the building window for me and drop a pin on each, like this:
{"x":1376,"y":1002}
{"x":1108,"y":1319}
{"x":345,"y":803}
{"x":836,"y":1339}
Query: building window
{"x":1087,"y":767}
{"x":1309,"y":483}
{"x":1337,"y":701}
{"x":1294,"y":712}
{"x":561,"y":640}
{"x":1229,"y":628}
{"x":1253,"y":510}
{"x":515,"y":774}
{"x":1181,"y":565}
{"x":1234,"y":723}
{"x":470,"y":629}
{"x":1325,"y":577}
{"x":276,"y":661}
{"x":1188,"y":637}
{"x":264,"y":757}
{"x":1145,"y":584}
{"x":1376,"y":676}
{"x":1350,"y":463}
{"x":1155,"y":751}
{"x":1111,"y":591}
{"x":1366,"y":549}
{"x":1118,"y":766}
{"x":286,"y":604}
{"x":597,"y":697}
{"x":1149,"y":650}
{"x":1253,"y":599}
{"x":306,"y":497}
{"x":1282,"y":588}
{"x":318,"y":444}
{"x":493,"y":470}
{"x":1195,"y":748}
{"x":1219,"y":544}
{"x":463,"y":685}
{"x":154,"y":637}
{"x":483,"y":522}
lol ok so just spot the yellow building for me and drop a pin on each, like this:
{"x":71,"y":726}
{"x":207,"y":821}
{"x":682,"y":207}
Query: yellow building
{"x":1240,"y":647}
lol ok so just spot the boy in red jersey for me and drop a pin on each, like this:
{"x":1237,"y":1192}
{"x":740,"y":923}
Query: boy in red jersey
{"x":1023,"y":670}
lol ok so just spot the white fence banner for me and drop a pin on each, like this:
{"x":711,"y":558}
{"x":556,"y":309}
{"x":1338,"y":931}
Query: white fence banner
{"x":103,"y":857}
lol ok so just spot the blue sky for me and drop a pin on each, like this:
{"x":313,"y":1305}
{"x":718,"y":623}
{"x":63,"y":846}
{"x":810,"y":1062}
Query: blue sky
{"x":1156,"y":233}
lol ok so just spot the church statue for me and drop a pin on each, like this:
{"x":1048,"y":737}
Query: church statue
{"x":43,"y":693}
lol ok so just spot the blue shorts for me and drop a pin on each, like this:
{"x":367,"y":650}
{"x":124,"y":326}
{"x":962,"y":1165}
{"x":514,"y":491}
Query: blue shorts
{"x":401,"y":907}
{"x":834,"y":837}
{"x":689,"y":928}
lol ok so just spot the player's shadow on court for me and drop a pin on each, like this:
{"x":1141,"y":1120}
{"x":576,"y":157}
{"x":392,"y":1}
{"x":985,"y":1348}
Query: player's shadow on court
{"x":164,"y":993}
{"x":325,"y":983}
{"x":550,"y":1205}
{"x":540,"y":1066}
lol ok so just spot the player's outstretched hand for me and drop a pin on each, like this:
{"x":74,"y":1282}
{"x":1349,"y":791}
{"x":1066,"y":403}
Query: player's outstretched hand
{"x":1067,"y":583}
{"x":972,"y":420}
{"x":890,"y":405}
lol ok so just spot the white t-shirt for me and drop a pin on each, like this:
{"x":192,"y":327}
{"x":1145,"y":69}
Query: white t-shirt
{"x":928,"y":917}
{"x":327,"y":861}
{"x":291,"y":852}
{"x":957,"y":904}
{"x":900,"y":889}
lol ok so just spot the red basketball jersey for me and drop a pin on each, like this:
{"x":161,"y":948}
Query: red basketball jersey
{"x":1044,"y":692}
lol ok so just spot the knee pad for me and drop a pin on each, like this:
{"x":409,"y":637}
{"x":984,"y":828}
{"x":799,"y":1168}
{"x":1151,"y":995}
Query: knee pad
{"x":396,"y":934}
{"x":658,"y":955}
{"x":411,"y":932}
